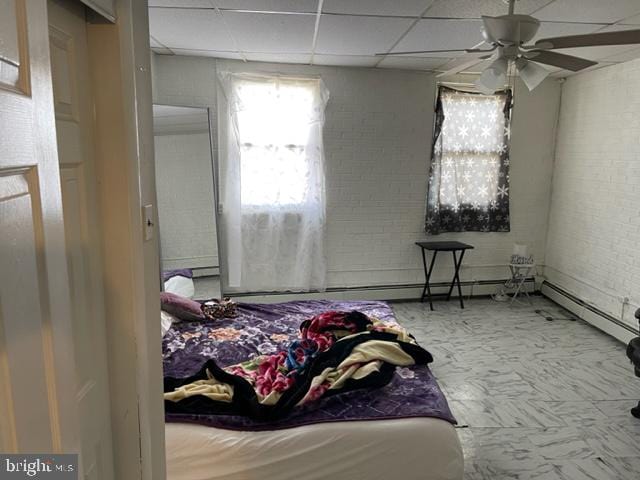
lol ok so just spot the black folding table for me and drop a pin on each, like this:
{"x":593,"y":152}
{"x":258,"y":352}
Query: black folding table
{"x":436,"y":247}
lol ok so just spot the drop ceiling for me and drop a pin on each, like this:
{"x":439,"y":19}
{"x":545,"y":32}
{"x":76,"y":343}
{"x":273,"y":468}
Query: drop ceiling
{"x":351,"y":32}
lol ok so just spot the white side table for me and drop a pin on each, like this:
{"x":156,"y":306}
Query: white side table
{"x":519,"y":274}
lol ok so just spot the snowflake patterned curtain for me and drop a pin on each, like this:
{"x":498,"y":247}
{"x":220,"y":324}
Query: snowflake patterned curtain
{"x":469,"y":173}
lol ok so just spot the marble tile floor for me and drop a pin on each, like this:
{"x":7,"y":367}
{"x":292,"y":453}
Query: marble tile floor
{"x":535,"y":399}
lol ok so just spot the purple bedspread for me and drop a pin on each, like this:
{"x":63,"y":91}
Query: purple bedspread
{"x":265,"y":328}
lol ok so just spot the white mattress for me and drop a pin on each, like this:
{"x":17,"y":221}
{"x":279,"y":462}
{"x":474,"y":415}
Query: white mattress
{"x":407,"y":449}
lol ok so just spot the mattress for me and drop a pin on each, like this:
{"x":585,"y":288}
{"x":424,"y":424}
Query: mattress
{"x":404,"y":430}
{"x":265,"y":329}
{"x":406,"y":448}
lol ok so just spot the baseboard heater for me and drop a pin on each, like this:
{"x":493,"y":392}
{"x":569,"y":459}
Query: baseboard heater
{"x":378,"y":287}
{"x":587,"y":306}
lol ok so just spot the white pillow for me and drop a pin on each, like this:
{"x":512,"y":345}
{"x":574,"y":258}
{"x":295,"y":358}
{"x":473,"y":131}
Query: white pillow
{"x":166,"y":320}
{"x":180,"y":285}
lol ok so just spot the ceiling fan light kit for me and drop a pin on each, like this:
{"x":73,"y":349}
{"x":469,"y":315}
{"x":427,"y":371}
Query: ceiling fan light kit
{"x":493,"y":77}
{"x":507,"y":36}
{"x":531,"y":73}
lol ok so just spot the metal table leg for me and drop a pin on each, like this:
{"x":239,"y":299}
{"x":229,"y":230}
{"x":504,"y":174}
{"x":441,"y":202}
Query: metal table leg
{"x":519,"y":275}
{"x":427,"y":274}
{"x":457,"y":263}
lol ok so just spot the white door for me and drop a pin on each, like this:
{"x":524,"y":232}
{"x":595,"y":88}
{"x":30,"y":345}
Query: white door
{"x":73,"y":106}
{"x":37,"y":374}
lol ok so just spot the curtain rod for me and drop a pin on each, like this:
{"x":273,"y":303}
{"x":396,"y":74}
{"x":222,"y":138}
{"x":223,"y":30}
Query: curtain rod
{"x":463,"y":84}
{"x":459,"y":84}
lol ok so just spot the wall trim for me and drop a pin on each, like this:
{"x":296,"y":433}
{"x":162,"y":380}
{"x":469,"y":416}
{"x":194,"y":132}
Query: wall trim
{"x":409,"y":291}
{"x":588,"y":306}
{"x":589,"y":313}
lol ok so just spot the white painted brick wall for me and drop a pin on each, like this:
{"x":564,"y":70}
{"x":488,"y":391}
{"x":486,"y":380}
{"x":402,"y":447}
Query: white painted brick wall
{"x":184,"y":183}
{"x":593,"y":243}
{"x":377,"y":141}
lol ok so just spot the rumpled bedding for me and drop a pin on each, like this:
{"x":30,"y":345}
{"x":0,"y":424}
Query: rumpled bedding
{"x":266,"y":329}
{"x":336,"y":352}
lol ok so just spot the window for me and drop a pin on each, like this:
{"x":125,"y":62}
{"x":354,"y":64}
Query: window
{"x":469,"y":174}
{"x":273,"y":128}
{"x":272,"y":182}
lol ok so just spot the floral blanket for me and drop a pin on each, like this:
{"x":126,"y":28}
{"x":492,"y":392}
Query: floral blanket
{"x":266,"y":331}
{"x":336,"y":352}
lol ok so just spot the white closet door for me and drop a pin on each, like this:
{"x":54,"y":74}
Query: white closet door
{"x":73,"y":104}
{"x":38,"y":409}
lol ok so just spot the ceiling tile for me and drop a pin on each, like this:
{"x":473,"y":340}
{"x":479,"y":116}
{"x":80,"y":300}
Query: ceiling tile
{"x":478,"y":67}
{"x":376,"y":7}
{"x":635,"y":20}
{"x":625,"y":56}
{"x":352,"y":35}
{"x":596,"y":11}
{"x":432,"y":34}
{"x":271,"y":33}
{"x":190,"y":29}
{"x":308,"y":6}
{"x":181,"y":3}
{"x":552,"y":29}
{"x":455,"y":62}
{"x":618,"y":27}
{"x":477,"y":8}
{"x":413,"y":63}
{"x":207,"y":53}
{"x":279,"y":57}
{"x":346,"y":60}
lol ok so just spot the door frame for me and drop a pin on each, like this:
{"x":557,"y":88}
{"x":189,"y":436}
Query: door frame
{"x":120,"y":69}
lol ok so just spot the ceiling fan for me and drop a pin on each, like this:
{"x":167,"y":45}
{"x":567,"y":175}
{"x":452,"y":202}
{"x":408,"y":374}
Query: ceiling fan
{"x":507,"y":36}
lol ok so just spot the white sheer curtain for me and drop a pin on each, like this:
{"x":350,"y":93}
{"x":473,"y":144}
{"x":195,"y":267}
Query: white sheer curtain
{"x":273,"y":189}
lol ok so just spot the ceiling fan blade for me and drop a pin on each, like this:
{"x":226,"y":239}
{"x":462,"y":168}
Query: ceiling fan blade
{"x":623,"y":37}
{"x":531,"y":73}
{"x":567,"y":62}
{"x":461,"y":67}
{"x":421,"y":51}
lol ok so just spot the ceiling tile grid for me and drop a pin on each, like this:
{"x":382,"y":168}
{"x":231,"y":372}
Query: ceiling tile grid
{"x":477,"y":8}
{"x":356,"y":35}
{"x":406,"y":8}
{"x":352,"y":32}
{"x":435,"y":34}
{"x":271,"y":33}
{"x":413,"y":63}
{"x":345,"y":60}
{"x":292,"y":6}
{"x":595,"y":11}
{"x":190,"y":29}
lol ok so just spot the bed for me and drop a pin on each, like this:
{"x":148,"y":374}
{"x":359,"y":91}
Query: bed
{"x":404,"y":429}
